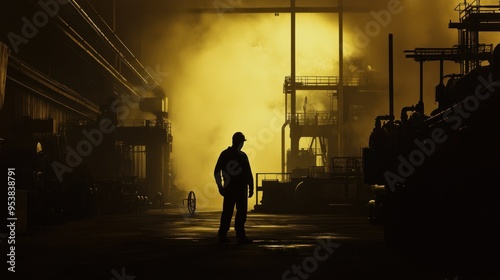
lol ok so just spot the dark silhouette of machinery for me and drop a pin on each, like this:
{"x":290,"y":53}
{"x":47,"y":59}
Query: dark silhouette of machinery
{"x":434,"y":175}
{"x":66,"y":121}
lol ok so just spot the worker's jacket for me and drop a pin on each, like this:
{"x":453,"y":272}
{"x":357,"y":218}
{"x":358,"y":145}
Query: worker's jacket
{"x":233,"y":172}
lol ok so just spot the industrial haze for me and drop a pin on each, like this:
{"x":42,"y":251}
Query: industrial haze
{"x":227,"y":70}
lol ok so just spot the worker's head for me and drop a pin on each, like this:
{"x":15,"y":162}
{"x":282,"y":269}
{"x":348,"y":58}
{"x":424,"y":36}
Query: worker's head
{"x":238,"y":140}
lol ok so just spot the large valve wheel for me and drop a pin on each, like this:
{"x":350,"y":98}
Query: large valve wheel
{"x":191,"y":202}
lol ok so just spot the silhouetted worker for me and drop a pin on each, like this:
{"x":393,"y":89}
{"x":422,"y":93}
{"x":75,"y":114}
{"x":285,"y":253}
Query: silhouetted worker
{"x":234,"y":179}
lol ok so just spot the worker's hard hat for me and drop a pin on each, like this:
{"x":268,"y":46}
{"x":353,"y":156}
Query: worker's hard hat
{"x":238,"y":137}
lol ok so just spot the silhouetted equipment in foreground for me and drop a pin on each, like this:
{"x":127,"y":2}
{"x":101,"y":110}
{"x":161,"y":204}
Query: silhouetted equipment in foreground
{"x":434,"y":176}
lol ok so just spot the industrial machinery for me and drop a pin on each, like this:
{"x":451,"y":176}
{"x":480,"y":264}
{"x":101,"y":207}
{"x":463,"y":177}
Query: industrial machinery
{"x":337,"y":188}
{"x":82,"y":120}
{"x":323,"y":176}
{"x":434,"y":175}
{"x":190,"y":202}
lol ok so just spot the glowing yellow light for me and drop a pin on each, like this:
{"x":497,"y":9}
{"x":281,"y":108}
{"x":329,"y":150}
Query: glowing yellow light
{"x":230,"y":79}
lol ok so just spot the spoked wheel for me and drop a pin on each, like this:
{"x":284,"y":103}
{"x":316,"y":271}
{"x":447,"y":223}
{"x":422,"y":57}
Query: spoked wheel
{"x":191,"y":202}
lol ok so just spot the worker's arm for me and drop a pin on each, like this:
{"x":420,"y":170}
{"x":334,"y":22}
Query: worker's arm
{"x":250,"y":180}
{"x":218,"y":174}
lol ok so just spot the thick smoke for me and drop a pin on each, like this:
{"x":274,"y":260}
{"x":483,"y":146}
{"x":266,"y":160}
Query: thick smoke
{"x":226,"y":75}
{"x":227,"y":71}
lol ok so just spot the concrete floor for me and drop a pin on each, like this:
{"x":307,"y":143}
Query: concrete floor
{"x":171,"y":244}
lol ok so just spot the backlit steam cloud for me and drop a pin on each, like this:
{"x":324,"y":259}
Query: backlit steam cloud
{"x":227,"y":76}
{"x":227,"y":71}
{"x":234,"y":83}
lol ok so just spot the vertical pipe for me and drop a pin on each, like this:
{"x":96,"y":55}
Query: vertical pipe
{"x":421,"y":96}
{"x":441,"y":69}
{"x":465,"y":45}
{"x":340,"y":90}
{"x":283,"y":150}
{"x":293,"y":100}
{"x":440,"y":87}
{"x":391,"y":75}
{"x":294,"y":147}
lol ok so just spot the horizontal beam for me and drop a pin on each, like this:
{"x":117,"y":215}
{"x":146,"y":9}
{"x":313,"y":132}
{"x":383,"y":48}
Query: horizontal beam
{"x":270,"y":10}
{"x":492,"y":26}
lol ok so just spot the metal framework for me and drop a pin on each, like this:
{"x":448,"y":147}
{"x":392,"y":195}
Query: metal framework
{"x":469,"y":52}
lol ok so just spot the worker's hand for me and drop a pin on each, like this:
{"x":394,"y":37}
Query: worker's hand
{"x":250,"y":193}
{"x":221,"y":190}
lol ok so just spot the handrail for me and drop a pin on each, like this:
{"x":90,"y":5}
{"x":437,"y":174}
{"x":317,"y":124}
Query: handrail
{"x":145,"y":123}
{"x":318,"y":118}
{"x":475,"y":8}
{"x":326,"y":80}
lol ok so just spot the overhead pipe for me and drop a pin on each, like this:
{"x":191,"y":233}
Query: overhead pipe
{"x":94,"y":54}
{"x":53,"y":100}
{"x":103,"y":36}
{"x":270,"y":10}
{"x":53,"y":85}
